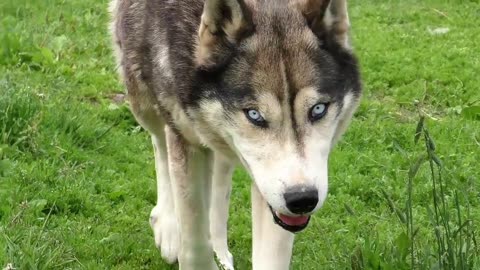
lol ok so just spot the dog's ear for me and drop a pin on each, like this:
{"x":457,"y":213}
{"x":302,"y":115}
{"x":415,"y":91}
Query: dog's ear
{"x":327,"y":17}
{"x":223,"y":24}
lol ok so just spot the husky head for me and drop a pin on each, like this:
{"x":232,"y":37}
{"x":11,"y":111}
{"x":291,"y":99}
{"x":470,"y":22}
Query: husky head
{"x":280,"y":85}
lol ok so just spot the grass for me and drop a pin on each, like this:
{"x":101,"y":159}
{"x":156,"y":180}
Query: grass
{"x":77,"y":174}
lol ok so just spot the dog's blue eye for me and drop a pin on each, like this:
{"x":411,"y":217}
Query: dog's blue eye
{"x":255,"y":117}
{"x":318,"y":111}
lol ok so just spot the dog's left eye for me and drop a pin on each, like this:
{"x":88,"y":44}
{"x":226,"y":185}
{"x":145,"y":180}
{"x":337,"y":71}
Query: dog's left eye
{"x":255,"y":117}
{"x":318,"y":111}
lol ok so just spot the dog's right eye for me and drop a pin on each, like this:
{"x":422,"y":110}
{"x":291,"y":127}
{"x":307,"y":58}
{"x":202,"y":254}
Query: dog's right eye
{"x":255,"y":117}
{"x":318,"y":111}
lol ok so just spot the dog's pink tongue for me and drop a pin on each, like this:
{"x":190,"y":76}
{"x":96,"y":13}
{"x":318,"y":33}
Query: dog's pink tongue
{"x":293,"y":221}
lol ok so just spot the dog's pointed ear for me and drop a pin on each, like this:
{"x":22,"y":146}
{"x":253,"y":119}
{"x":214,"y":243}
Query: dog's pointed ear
{"x":327,"y":17}
{"x":223,"y":24}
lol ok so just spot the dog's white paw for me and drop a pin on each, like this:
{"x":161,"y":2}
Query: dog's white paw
{"x":165,"y":230}
{"x":225,"y":259}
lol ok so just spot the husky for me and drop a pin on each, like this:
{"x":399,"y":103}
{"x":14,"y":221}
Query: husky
{"x":267,"y":84}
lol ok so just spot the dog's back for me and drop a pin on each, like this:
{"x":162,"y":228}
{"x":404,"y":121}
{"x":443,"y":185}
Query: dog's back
{"x":153,"y":34}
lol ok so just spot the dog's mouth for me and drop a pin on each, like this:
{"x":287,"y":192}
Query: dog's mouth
{"x":290,"y":223}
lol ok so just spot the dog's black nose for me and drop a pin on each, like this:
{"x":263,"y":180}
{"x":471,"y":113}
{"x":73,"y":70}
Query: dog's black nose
{"x":301,"y":199}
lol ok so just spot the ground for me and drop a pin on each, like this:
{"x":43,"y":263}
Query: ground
{"x":77,"y":174}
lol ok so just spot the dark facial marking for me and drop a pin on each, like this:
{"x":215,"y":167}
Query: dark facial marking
{"x":292,"y":94}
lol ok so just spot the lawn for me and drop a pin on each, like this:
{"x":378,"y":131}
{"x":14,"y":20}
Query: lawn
{"x":77,"y":174}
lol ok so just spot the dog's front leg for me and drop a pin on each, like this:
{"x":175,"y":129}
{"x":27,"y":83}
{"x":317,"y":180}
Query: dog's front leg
{"x":221,"y":188}
{"x":190,"y":172}
{"x":272,"y":245}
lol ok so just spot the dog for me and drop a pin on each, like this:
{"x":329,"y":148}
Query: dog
{"x":267,"y":84}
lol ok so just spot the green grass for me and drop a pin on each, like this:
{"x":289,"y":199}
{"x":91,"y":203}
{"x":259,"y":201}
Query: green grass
{"x":77,"y":174}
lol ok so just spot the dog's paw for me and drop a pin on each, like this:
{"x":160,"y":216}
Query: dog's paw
{"x":225,"y":259}
{"x":165,"y":230}
{"x":200,"y":261}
